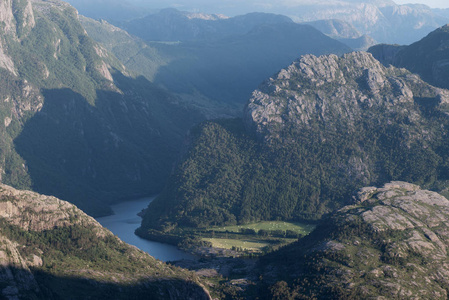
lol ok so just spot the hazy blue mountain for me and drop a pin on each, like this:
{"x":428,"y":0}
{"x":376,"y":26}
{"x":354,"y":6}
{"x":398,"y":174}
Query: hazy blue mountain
{"x":444,"y":12}
{"x":345,"y":33}
{"x":224,"y":67}
{"x":336,"y":28}
{"x":384,"y":21}
{"x":174,"y":25}
{"x":428,"y":57}
{"x":362,"y":43}
{"x":74,"y":124}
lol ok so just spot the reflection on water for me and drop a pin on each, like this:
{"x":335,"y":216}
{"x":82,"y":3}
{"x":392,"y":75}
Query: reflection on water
{"x":126,"y":220}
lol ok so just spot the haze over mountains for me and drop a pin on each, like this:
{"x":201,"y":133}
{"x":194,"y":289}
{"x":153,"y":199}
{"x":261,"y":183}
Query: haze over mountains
{"x":383,"y":20}
{"x":215,"y":59}
{"x":150,"y":101}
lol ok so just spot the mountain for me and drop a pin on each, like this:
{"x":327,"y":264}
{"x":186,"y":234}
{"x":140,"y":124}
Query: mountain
{"x":50,"y":249}
{"x":391,"y":242}
{"x":336,"y":28}
{"x":74,"y":123}
{"x":362,"y":43}
{"x":385,"y":21}
{"x":310,"y":135}
{"x":428,"y":57}
{"x":173,"y":25}
{"x":345,"y":33}
{"x":222,"y":68}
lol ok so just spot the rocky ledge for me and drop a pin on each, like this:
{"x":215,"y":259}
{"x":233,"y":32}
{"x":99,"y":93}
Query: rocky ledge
{"x":50,"y":249}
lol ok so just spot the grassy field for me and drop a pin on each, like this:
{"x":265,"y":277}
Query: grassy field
{"x":244,"y":244}
{"x":303,"y":229}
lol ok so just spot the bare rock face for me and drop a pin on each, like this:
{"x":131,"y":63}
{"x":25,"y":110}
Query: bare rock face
{"x":329,"y":88}
{"x":36,"y":212}
{"x":393,"y":243}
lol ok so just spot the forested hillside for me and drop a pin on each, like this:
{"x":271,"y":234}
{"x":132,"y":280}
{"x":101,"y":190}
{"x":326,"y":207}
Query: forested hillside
{"x":428,"y":57}
{"x":310,"y":136}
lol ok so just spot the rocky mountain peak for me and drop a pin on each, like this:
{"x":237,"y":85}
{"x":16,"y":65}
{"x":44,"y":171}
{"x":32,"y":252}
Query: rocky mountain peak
{"x":329,"y":88}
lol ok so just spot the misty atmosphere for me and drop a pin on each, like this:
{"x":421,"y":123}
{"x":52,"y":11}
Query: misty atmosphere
{"x":228,"y":149}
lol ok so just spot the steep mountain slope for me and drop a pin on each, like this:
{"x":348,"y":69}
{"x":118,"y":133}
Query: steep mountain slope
{"x":49,"y":249}
{"x":310,"y":135}
{"x":428,"y":57}
{"x":336,"y":28}
{"x":390,"y":243}
{"x":224,"y":67}
{"x":345,"y":33}
{"x":73,"y":123}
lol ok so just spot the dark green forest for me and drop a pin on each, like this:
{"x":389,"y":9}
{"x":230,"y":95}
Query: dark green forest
{"x":233,"y":176}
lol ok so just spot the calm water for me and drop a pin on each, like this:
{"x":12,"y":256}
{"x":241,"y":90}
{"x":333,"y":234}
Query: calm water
{"x":126,"y":220}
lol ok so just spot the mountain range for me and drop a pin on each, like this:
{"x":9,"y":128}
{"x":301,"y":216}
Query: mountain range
{"x":385,"y":21}
{"x":427,"y":57}
{"x":211,"y":58}
{"x":346,"y":142}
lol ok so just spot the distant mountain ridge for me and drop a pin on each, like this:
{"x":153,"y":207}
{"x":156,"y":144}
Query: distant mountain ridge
{"x":428,"y":57}
{"x":345,"y":33}
{"x":223,"y":61}
{"x":385,"y":21}
{"x":173,"y":25}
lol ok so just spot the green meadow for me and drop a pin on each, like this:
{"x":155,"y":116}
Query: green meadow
{"x":300,"y":228}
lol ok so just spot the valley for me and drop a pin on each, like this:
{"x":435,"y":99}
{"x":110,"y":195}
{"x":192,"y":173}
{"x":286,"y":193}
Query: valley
{"x":125,"y":221}
{"x":289,"y":154}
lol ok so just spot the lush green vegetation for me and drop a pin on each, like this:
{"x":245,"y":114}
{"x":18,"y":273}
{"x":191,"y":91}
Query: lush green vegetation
{"x":78,"y":263}
{"x":254,"y":245}
{"x":230,"y":178}
{"x":346,"y":258}
{"x":270,"y":227}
